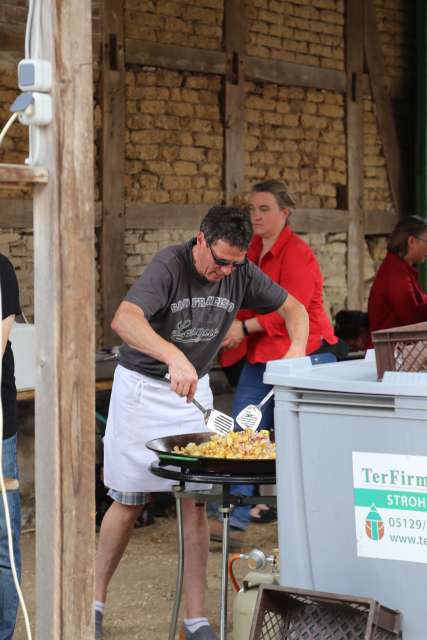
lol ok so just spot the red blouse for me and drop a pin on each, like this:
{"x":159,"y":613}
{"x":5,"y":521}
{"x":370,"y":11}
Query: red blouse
{"x":292,"y":264}
{"x":396,"y":299}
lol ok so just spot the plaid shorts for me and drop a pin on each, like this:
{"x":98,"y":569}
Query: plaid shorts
{"x":131,"y":498}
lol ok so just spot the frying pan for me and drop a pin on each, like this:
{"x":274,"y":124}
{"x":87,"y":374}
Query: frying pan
{"x":163,"y":448}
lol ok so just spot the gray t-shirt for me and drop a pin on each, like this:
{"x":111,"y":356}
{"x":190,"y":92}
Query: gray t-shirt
{"x":191,"y":312}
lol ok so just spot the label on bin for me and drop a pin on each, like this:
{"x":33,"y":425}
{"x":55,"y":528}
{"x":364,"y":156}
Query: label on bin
{"x":390,"y":506}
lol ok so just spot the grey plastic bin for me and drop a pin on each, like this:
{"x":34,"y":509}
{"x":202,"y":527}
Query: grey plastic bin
{"x":352,"y":482}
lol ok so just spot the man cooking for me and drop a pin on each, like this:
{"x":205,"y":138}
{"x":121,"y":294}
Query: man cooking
{"x":173,"y":320}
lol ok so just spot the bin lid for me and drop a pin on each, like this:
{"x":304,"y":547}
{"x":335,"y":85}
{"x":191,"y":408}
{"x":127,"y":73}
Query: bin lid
{"x":352,"y":376}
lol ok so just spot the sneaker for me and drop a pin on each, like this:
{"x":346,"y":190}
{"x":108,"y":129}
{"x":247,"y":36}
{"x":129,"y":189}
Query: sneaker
{"x":202,"y":633}
{"x":236,"y":536}
{"x":99,"y":616}
{"x":264,"y":516}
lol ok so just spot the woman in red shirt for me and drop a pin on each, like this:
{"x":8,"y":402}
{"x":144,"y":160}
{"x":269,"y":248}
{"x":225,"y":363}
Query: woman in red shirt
{"x":290,"y":262}
{"x":396,"y":299}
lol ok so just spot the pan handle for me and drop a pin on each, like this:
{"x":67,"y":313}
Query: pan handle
{"x":176,"y":457}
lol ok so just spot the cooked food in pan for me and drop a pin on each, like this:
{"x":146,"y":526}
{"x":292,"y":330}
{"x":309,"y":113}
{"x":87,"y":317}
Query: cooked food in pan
{"x":246,"y":444}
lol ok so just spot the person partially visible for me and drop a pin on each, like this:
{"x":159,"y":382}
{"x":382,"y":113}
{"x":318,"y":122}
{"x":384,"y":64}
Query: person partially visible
{"x":289,"y":261}
{"x":174,"y":320}
{"x":396,"y":297}
{"x":352,"y":327}
{"x":8,"y":593}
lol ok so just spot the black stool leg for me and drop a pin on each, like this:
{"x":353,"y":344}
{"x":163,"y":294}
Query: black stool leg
{"x":225,"y":510}
{"x":180,"y":574}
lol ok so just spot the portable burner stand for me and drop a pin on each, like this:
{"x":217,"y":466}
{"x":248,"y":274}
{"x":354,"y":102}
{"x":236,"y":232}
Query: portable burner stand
{"x":227,"y":500}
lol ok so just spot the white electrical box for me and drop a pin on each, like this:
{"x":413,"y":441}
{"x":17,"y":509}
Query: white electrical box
{"x":39,"y":112}
{"x":22,"y":338}
{"x":34,"y":75}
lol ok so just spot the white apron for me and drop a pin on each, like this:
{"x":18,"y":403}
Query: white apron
{"x":143,"y":408}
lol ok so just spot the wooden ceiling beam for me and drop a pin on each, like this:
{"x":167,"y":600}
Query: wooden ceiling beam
{"x":296,"y":75}
{"x":21,"y":173}
{"x":175,"y":57}
{"x":18,"y":214}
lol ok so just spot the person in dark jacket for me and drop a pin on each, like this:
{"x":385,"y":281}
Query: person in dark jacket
{"x":8,"y":593}
{"x":396,"y":298}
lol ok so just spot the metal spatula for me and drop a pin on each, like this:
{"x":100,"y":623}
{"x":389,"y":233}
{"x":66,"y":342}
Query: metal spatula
{"x":250,"y":416}
{"x":215,"y":421}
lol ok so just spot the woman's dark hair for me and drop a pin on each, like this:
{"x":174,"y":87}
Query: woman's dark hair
{"x":407,"y":226}
{"x":350,"y":324}
{"x":231,"y":224}
{"x":278,"y":189}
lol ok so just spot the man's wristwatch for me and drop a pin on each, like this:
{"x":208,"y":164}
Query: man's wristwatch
{"x":245,"y":329}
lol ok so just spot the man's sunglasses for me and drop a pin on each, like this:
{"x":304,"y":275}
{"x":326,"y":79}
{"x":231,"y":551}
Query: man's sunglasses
{"x":220,"y":262}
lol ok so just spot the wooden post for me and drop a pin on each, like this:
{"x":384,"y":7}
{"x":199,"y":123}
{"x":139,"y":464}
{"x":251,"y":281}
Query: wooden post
{"x":354,"y":125}
{"x":384,"y":110}
{"x":64,"y":316}
{"x":234,"y":152}
{"x":112,"y":163}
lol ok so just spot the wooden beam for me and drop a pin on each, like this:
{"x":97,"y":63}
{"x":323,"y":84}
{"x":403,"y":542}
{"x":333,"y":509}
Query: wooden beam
{"x":379,"y":223}
{"x":174,"y":57}
{"x":164,"y":216}
{"x":234,"y":99}
{"x":296,"y":75}
{"x":384,"y":110}
{"x":319,"y":221}
{"x":189,"y":216}
{"x":65,"y":331}
{"x":16,"y":214}
{"x":19,"y":173}
{"x":112,"y":166}
{"x":255,"y":68}
{"x":204,"y":61}
{"x":355,"y":168}
{"x":398,"y":88}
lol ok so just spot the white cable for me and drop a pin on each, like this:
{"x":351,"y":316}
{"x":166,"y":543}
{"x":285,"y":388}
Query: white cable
{"x":7,"y":126}
{"x":28,"y":29}
{"x":36,"y":29}
{"x":5,"y":502}
{"x":35,"y":136}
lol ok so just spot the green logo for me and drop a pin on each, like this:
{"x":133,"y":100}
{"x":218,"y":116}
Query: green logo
{"x":374,"y":524}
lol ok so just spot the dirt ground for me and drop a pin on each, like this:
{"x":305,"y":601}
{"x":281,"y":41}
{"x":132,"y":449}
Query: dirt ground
{"x":141,"y":593}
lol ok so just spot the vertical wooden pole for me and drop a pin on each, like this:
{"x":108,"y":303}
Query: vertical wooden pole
{"x":112,"y":165}
{"x":354,"y":126}
{"x":64,"y":316}
{"x":386,"y":121}
{"x":234,"y":156}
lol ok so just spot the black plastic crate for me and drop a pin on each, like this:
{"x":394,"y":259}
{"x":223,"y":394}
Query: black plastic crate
{"x":296,"y":614}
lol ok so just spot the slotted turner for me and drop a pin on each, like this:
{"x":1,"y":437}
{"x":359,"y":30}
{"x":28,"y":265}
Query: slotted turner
{"x":215,"y":421}
{"x":250,"y":416}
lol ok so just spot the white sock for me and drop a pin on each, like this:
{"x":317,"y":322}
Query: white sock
{"x":192,"y":624}
{"x":99,"y":606}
